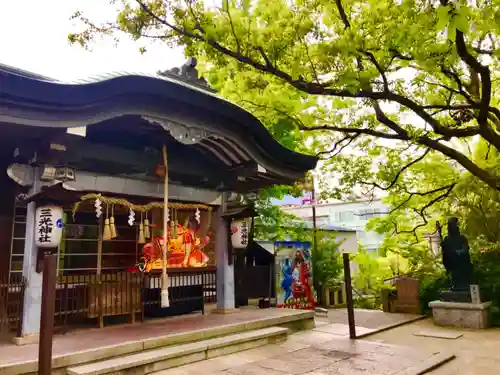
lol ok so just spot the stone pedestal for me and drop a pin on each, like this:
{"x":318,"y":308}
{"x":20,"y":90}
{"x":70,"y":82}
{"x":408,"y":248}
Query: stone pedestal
{"x":462,"y":296}
{"x":460,"y":314}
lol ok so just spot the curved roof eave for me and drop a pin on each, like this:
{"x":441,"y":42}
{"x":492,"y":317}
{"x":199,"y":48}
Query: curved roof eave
{"x":35,"y":100}
{"x":24,"y":73}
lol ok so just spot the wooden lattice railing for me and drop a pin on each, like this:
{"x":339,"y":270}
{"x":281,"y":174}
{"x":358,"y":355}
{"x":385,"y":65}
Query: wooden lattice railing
{"x":11,"y":302}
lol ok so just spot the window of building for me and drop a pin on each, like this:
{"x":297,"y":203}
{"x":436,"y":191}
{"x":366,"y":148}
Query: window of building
{"x":368,"y":213}
{"x":320,"y":219}
{"x":346,"y":216}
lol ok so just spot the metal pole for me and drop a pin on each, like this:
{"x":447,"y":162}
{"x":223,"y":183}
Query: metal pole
{"x":165,"y":299}
{"x":313,"y":198}
{"x":47,"y":314}
{"x":314,"y":242}
{"x":348,"y":292}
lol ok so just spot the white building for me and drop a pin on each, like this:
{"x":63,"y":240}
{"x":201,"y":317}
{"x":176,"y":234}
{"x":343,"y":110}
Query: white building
{"x":346,"y":238}
{"x":349,"y":215}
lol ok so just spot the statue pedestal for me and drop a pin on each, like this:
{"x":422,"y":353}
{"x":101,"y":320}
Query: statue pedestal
{"x":461,"y":314}
{"x":461,"y":295}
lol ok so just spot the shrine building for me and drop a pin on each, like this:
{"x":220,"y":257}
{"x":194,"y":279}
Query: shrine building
{"x":84,"y":170}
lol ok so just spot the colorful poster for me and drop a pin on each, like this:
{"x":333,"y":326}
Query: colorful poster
{"x":185,"y":249}
{"x":294,"y":283}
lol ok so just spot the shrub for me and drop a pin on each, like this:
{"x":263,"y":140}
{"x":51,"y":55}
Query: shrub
{"x":327,"y":265}
{"x":486,"y":263}
{"x":430,"y":287}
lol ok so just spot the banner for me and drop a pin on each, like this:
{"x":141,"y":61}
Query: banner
{"x":294,"y":279}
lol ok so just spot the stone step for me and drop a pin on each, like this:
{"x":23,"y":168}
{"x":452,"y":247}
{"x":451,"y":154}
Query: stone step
{"x":150,"y":361}
{"x":295,"y":320}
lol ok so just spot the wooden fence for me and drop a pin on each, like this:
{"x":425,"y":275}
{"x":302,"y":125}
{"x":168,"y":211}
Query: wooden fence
{"x":11,"y":303}
{"x":83,"y":300}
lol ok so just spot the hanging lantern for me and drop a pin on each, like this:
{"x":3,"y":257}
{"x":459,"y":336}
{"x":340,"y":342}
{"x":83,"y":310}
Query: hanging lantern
{"x":240,"y":233}
{"x":48,"y":226}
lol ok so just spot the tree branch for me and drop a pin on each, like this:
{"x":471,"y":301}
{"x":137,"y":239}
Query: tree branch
{"x":314,"y":88}
{"x":348,"y":138}
{"x":490,"y":179}
{"x":304,"y":127}
{"x":421,"y":212}
{"x":483,"y":71}
{"x":484,"y":104}
{"x":307,"y":87}
{"x":381,"y":117}
{"x":400,"y":172}
{"x":233,"y":31}
{"x":397,"y":55}
{"x":313,"y":68}
{"x":374,"y":61}
{"x":460,"y":85}
{"x":452,"y":153}
{"x":364,"y":131}
{"x":342,"y":13}
{"x":268,"y":62}
{"x":483,"y":51}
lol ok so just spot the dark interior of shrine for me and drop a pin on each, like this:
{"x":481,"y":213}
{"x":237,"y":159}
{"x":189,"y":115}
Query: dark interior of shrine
{"x":130,"y":146}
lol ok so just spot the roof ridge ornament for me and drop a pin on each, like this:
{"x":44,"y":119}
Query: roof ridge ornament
{"x":187,"y":72}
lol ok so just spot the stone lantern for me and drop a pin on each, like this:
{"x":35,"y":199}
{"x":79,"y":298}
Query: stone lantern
{"x":434,"y":242}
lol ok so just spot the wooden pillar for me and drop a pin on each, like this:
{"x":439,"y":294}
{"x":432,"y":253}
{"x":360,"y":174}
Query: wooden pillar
{"x":47,"y":314}
{"x":101,"y":285}
{"x":350,"y":302}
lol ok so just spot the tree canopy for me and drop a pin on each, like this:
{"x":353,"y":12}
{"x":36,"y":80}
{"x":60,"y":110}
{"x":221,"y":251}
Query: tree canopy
{"x":412,"y":215}
{"x":374,"y":87}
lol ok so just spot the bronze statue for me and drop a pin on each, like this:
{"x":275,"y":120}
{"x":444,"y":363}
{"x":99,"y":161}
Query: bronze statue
{"x":456,"y":260}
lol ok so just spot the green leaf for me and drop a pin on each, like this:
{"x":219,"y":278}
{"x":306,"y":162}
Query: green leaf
{"x":452,"y":32}
{"x":461,"y":23}
{"x":443,"y":17}
{"x":308,"y":40}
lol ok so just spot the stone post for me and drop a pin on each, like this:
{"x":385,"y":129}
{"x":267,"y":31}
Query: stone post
{"x":33,"y":293}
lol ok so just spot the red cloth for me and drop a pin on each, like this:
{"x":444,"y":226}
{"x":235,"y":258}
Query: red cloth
{"x":302,"y":288}
{"x":188,"y":237}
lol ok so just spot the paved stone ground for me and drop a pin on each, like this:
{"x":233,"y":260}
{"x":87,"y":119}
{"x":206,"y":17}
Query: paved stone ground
{"x":367,"y":319}
{"x":322,"y":351}
{"x":477,"y":351}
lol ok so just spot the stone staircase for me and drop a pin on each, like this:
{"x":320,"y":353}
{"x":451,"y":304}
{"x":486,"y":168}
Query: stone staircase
{"x":156,"y":353}
{"x":150,"y":361}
